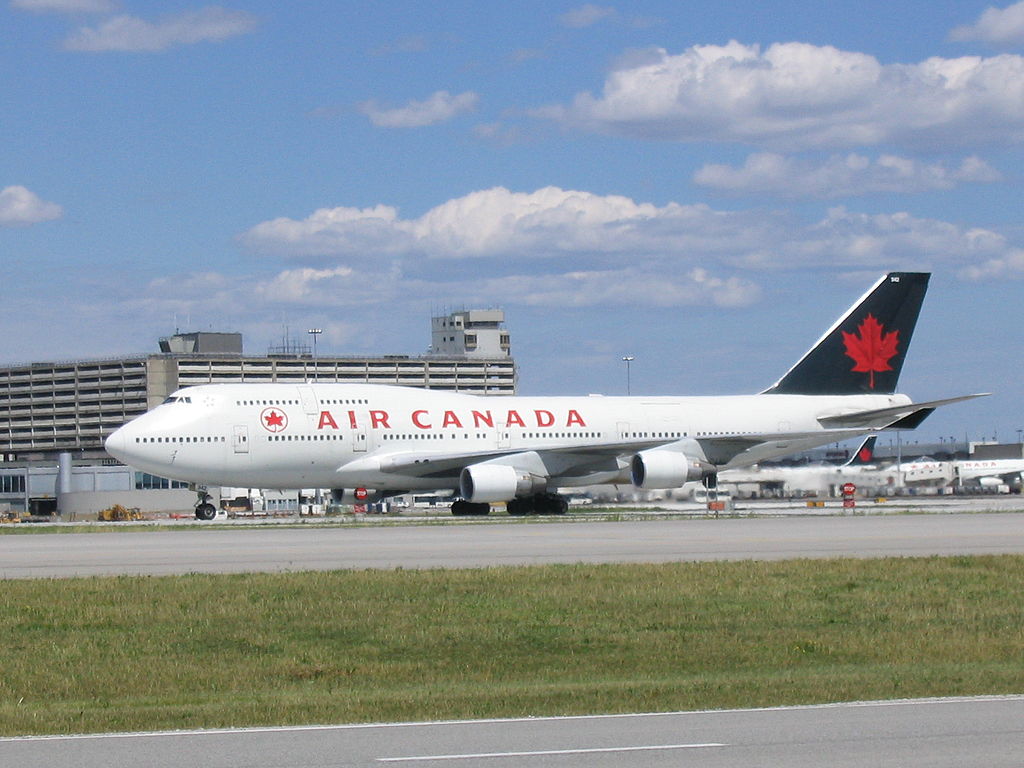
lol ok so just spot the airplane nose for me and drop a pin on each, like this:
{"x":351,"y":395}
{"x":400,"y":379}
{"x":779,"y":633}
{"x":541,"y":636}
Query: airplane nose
{"x":117,"y":444}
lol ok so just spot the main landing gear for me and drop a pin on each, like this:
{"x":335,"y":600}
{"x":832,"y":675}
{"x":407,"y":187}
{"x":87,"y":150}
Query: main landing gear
{"x":540,"y":504}
{"x":462,"y":507}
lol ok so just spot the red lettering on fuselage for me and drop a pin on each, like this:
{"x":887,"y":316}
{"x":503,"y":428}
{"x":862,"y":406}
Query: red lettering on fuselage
{"x":423,"y":419}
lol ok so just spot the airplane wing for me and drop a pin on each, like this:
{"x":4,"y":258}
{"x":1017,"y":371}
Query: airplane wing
{"x":557,"y":460}
{"x":577,"y":461}
{"x":898,"y":417}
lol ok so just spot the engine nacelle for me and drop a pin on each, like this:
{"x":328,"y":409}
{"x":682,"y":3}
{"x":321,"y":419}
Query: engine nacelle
{"x":356,"y":496}
{"x":990,"y":482}
{"x":664,"y":469}
{"x":496,"y":482}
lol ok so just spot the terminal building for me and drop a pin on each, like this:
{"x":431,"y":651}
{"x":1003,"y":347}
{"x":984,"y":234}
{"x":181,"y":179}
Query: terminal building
{"x":55,"y":416}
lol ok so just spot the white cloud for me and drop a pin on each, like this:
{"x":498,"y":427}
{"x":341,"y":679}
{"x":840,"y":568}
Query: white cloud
{"x":65,"y":6}
{"x":624,"y":286}
{"x":849,"y":239}
{"x":440,"y":107}
{"x":586,"y":15}
{"x":840,"y":176}
{"x":323,"y":287}
{"x":334,"y":231}
{"x":573,"y":236}
{"x":498,"y":223}
{"x":132,"y":34}
{"x":1008,"y":266}
{"x":21,"y":207}
{"x":347,"y":287}
{"x":997,"y":26}
{"x":797,"y":95}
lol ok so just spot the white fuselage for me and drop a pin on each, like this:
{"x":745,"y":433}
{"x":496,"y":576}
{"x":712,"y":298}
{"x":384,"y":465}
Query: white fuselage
{"x":978,"y":469}
{"x":348,"y":435}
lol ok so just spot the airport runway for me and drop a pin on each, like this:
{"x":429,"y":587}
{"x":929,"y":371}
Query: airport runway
{"x":939,"y":733}
{"x":275,"y":548}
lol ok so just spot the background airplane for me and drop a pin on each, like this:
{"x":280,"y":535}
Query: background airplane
{"x":814,"y":478}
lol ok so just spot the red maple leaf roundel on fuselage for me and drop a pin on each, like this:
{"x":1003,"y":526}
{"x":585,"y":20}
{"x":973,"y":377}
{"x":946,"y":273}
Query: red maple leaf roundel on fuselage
{"x":273,"y":420}
{"x":871,"y":348}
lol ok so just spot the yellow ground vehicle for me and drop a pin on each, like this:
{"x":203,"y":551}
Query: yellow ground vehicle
{"x":118,"y":513}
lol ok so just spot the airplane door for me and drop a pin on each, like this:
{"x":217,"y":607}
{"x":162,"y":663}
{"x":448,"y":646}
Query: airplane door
{"x":240,"y":438}
{"x":310,"y":405}
{"x":502,"y":435}
{"x":359,"y":439}
{"x":623,"y":429}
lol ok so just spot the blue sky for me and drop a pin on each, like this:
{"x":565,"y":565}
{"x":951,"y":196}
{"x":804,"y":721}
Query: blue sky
{"x":704,"y":187}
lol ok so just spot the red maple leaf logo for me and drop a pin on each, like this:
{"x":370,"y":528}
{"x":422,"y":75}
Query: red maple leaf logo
{"x":864,"y":454}
{"x":870,"y":348}
{"x":274,"y":420}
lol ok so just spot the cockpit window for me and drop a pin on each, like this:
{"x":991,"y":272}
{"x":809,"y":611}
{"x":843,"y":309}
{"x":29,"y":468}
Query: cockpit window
{"x":177,"y":399}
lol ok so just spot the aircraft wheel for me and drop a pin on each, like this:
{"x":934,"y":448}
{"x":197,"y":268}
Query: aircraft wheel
{"x":550,"y":504}
{"x":460,"y":508}
{"x":519,"y":506}
{"x":206,"y":512}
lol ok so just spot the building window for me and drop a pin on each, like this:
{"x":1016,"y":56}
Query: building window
{"x":12,"y":483}
{"x":147,"y":482}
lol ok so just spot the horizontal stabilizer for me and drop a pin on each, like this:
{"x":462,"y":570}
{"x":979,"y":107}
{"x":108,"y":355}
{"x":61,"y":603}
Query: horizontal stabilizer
{"x":882,"y":418}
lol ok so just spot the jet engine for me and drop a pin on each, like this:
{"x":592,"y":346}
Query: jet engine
{"x":665,"y":469}
{"x":496,"y":482}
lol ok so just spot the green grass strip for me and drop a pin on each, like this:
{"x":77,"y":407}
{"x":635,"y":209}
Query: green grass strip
{"x":146,"y":653}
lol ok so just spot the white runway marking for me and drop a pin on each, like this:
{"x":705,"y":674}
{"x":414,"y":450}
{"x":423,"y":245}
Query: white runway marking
{"x":538,"y":753}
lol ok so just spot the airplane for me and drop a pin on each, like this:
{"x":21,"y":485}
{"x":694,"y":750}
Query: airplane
{"x":922,"y":472}
{"x":990,"y":473}
{"x":369,"y":442}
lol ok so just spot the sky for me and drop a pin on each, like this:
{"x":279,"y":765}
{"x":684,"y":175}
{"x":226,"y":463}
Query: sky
{"x":704,"y":187}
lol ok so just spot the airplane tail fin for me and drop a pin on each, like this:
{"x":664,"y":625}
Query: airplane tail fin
{"x":863,"y":352}
{"x":865,"y":454}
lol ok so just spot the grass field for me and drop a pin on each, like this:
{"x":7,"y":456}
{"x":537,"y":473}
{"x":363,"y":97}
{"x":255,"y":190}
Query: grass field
{"x":102,"y":654}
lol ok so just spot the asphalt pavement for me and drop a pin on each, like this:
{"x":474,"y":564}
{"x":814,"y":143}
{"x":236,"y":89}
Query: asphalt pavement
{"x":938,"y":733}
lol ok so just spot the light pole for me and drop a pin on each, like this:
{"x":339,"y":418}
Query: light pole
{"x":627,"y":360}
{"x":314,"y":332}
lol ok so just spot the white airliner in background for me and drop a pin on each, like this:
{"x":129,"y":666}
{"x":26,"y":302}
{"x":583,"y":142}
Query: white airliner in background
{"x":368,"y":442}
{"x":990,"y":472}
{"x":820,"y":478}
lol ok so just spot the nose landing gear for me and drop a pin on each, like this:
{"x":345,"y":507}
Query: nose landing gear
{"x":204,"y":509}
